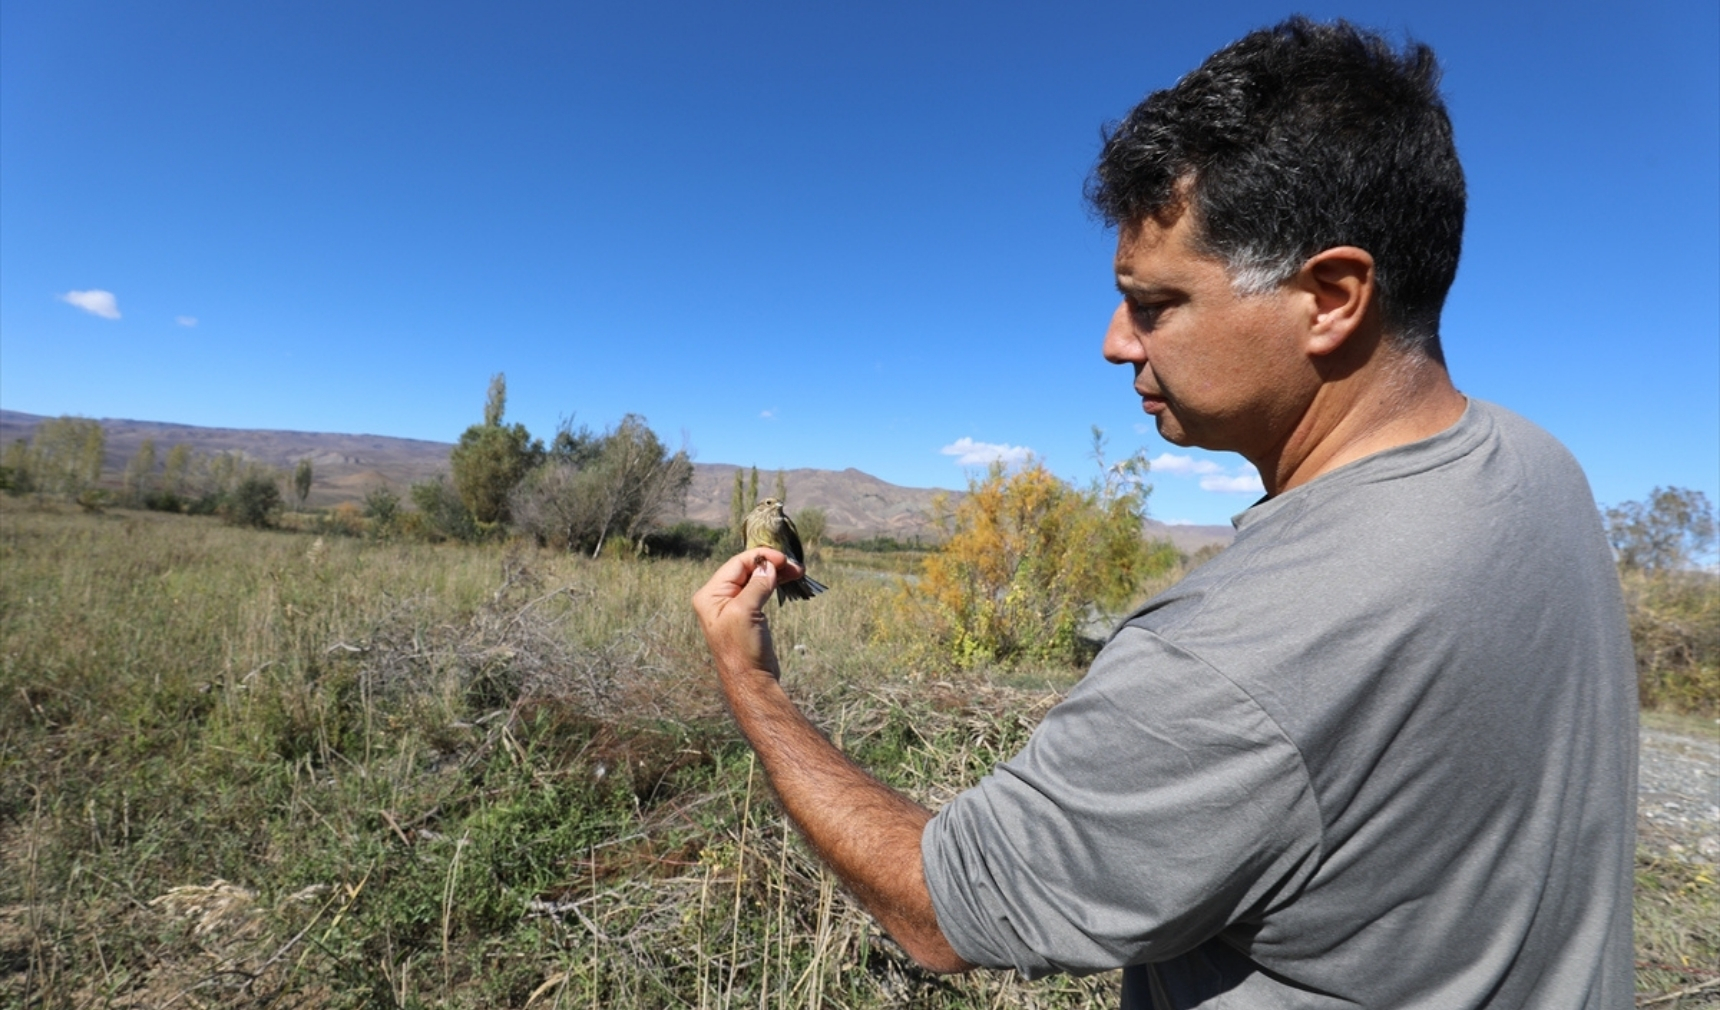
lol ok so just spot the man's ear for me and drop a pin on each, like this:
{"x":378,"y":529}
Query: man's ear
{"x":1340,"y":285}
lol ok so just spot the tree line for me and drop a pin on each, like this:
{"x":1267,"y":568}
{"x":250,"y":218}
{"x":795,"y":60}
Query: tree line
{"x":64,"y":456}
{"x":621,"y":489}
{"x":583,"y":492}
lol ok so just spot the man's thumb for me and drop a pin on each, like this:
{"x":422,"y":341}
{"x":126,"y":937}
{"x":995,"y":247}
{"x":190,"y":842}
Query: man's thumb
{"x":756,"y":593}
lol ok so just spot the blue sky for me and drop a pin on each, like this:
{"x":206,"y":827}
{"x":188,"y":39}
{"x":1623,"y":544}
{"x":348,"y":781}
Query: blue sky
{"x":813,"y":235}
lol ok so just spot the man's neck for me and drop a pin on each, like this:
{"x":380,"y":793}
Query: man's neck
{"x":1396,"y":398}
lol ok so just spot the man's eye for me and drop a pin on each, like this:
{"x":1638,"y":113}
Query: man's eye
{"x":1146,"y":316}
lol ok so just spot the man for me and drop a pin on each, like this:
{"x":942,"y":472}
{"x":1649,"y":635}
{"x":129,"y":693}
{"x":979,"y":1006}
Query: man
{"x":1381,"y":751}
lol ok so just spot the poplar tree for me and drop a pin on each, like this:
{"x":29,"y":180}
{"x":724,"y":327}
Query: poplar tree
{"x":302,"y":481}
{"x":176,"y":471}
{"x":67,"y":454}
{"x":20,"y":467}
{"x":738,"y":512}
{"x":492,"y":458}
{"x":140,"y":473}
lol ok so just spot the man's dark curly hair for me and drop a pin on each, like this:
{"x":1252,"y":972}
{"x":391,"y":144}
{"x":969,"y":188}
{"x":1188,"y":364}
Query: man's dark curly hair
{"x":1295,"y":139}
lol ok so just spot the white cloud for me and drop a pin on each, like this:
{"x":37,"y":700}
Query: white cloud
{"x":185,"y":320}
{"x":768,"y":415}
{"x":1182,"y":466}
{"x":96,"y":303}
{"x":1248,"y":483}
{"x":971,"y":453}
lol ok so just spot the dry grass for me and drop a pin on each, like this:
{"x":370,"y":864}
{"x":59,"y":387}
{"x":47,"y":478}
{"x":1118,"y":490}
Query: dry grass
{"x":265,"y":769}
{"x":243,"y":768}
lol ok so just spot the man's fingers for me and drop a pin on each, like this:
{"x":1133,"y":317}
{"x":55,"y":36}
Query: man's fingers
{"x":756,"y":593}
{"x":730,"y":608}
{"x":740,"y":577}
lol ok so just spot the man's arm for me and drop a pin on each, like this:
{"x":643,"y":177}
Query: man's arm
{"x":867,"y":832}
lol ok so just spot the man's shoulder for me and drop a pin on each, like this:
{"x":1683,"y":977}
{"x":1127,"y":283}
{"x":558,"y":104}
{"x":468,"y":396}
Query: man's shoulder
{"x":1395,"y":537}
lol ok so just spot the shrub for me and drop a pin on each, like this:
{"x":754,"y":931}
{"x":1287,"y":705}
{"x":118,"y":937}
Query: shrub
{"x":345,"y":519}
{"x":686,"y":539}
{"x":382,"y":505}
{"x":1675,"y":630}
{"x":444,"y":515}
{"x":1027,"y":563}
{"x":255,"y":502}
{"x":164,"y":501}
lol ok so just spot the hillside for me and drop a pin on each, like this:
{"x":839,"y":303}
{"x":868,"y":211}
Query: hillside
{"x":346,"y":467}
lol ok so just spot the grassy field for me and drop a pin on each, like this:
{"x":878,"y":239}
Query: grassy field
{"x":266,"y":769}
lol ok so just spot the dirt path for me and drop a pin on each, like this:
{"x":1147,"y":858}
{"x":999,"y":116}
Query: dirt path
{"x":1678,"y":794}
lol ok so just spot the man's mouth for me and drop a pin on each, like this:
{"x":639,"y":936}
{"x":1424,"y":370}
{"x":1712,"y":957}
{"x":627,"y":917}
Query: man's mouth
{"x":1152,"y":403}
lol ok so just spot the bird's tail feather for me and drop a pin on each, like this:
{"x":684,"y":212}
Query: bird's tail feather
{"x":803,"y":588}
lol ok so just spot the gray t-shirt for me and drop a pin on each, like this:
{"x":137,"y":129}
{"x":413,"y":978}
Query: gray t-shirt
{"x":1380,"y":752}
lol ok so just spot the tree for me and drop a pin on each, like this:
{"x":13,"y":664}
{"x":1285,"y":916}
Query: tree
{"x":811,"y":523}
{"x":577,"y":446}
{"x":19,"y":470}
{"x":624,"y":484}
{"x":140,"y":474}
{"x":640,"y":481}
{"x":491,"y":459}
{"x":1672,"y":528}
{"x":176,"y":471}
{"x":779,"y":490}
{"x":738,"y":509}
{"x":302,"y":481}
{"x":495,"y":400}
{"x":67,"y":454}
{"x":741,"y":502}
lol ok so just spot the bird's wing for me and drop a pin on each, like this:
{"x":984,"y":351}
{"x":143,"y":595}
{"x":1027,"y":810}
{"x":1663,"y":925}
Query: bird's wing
{"x":792,"y":536}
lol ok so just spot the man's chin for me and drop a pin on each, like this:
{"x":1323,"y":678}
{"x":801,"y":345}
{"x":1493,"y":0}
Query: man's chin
{"x":1171,"y":431}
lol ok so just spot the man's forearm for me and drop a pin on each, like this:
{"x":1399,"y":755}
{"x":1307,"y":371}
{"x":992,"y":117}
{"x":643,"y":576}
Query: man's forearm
{"x":867,"y":832}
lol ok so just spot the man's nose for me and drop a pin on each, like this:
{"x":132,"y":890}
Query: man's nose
{"x":1122,"y":345}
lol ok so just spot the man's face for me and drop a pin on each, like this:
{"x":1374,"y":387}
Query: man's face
{"x":1215,"y":369}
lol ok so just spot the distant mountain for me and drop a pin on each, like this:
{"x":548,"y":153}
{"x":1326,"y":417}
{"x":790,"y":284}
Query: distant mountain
{"x":347,"y":467}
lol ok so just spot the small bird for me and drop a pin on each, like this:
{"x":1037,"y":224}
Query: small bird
{"x":768,"y":525}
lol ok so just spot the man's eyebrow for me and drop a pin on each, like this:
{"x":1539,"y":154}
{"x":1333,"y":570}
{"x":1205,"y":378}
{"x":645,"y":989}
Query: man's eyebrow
{"x":1130,"y":288}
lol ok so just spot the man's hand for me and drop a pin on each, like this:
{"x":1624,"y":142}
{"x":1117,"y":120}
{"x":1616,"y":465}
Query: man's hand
{"x":867,"y":832}
{"x":731,"y":611}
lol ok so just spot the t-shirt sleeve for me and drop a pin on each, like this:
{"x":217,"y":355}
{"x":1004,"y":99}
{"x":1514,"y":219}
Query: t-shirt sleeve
{"x":1154,"y":807}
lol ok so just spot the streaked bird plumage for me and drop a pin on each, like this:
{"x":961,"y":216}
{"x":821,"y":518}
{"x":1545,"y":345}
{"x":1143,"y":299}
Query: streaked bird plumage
{"x":767,"y":525}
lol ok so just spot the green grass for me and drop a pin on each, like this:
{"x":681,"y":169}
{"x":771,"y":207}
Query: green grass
{"x":253,"y":768}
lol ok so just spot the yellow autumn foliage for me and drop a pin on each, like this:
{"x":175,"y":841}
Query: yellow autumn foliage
{"x":1029,"y":561}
